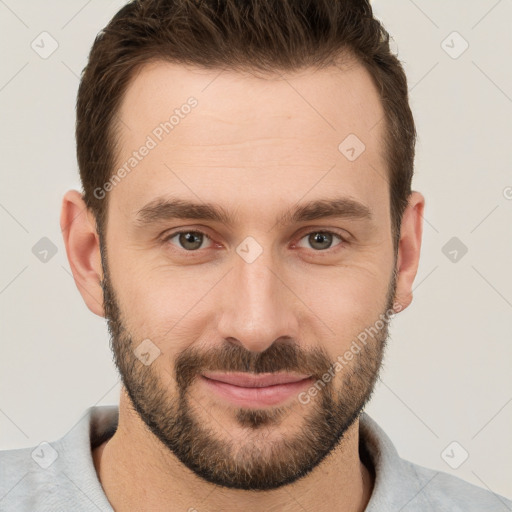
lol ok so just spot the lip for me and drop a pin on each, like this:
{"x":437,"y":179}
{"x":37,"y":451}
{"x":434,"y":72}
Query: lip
{"x":251,"y":390}
{"x":260,"y":380}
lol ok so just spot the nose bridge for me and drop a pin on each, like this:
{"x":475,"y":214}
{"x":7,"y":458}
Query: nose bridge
{"x":256,"y":306}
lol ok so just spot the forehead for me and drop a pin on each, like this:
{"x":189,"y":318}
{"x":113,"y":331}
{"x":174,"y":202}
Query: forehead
{"x":236,"y":135}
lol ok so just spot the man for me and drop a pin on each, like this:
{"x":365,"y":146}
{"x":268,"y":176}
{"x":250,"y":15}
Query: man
{"x":248,"y":229}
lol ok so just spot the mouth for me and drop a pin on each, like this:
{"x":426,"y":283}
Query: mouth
{"x":255,"y":390}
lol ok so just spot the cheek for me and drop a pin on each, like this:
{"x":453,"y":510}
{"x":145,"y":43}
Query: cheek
{"x":347,"y":300}
{"x":168,"y":305}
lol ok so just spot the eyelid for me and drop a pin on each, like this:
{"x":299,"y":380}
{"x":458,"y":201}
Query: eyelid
{"x":345,"y":236}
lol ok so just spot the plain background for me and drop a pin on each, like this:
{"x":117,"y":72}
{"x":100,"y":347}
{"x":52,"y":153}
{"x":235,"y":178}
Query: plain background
{"x":447,"y":373}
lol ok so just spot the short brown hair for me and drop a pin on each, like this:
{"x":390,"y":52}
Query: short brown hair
{"x":265,"y":35}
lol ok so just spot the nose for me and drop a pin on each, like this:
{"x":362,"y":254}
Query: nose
{"x":257,"y":305}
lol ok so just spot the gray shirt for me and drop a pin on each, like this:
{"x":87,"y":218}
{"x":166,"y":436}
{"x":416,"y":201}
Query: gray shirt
{"x":60,"y":476}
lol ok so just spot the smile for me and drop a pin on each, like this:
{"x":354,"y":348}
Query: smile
{"x":249,"y":390}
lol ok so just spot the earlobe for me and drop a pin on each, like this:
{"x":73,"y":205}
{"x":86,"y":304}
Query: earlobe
{"x":82,"y":249}
{"x":409,"y":249}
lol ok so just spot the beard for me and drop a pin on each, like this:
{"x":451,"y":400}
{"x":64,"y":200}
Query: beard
{"x":256,"y":462}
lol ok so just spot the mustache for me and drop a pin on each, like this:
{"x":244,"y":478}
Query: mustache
{"x":279,"y":357}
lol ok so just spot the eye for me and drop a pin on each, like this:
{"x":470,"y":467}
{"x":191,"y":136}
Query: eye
{"x":321,"y":240}
{"x":193,"y":240}
{"x":188,"y":240}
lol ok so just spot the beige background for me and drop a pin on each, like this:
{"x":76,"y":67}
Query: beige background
{"x":447,"y":374}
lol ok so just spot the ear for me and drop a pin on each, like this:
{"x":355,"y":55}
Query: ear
{"x":409,"y":249}
{"x":78,"y":228}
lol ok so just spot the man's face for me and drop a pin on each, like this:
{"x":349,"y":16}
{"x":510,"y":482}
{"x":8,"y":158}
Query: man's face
{"x":256,"y":291}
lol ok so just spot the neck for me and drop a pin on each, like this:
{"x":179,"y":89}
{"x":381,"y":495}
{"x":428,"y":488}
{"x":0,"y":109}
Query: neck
{"x":138,"y":473}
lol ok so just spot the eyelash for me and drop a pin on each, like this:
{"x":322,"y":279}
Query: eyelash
{"x":343,"y":241}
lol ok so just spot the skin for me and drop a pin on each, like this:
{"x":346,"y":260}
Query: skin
{"x":258,"y":158}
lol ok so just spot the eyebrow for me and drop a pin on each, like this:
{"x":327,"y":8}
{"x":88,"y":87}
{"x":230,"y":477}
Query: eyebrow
{"x":165,"y":208}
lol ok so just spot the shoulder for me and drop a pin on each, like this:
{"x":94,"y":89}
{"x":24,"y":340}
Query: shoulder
{"x":24,"y":481}
{"x":58,"y":476}
{"x":437,"y":490}
{"x":402,"y":485}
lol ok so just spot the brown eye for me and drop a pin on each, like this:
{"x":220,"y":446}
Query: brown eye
{"x":188,"y":240}
{"x":321,"y":240}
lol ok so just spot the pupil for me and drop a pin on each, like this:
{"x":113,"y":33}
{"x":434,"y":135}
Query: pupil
{"x":321,"y":238}
{"x":191,"y":238}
